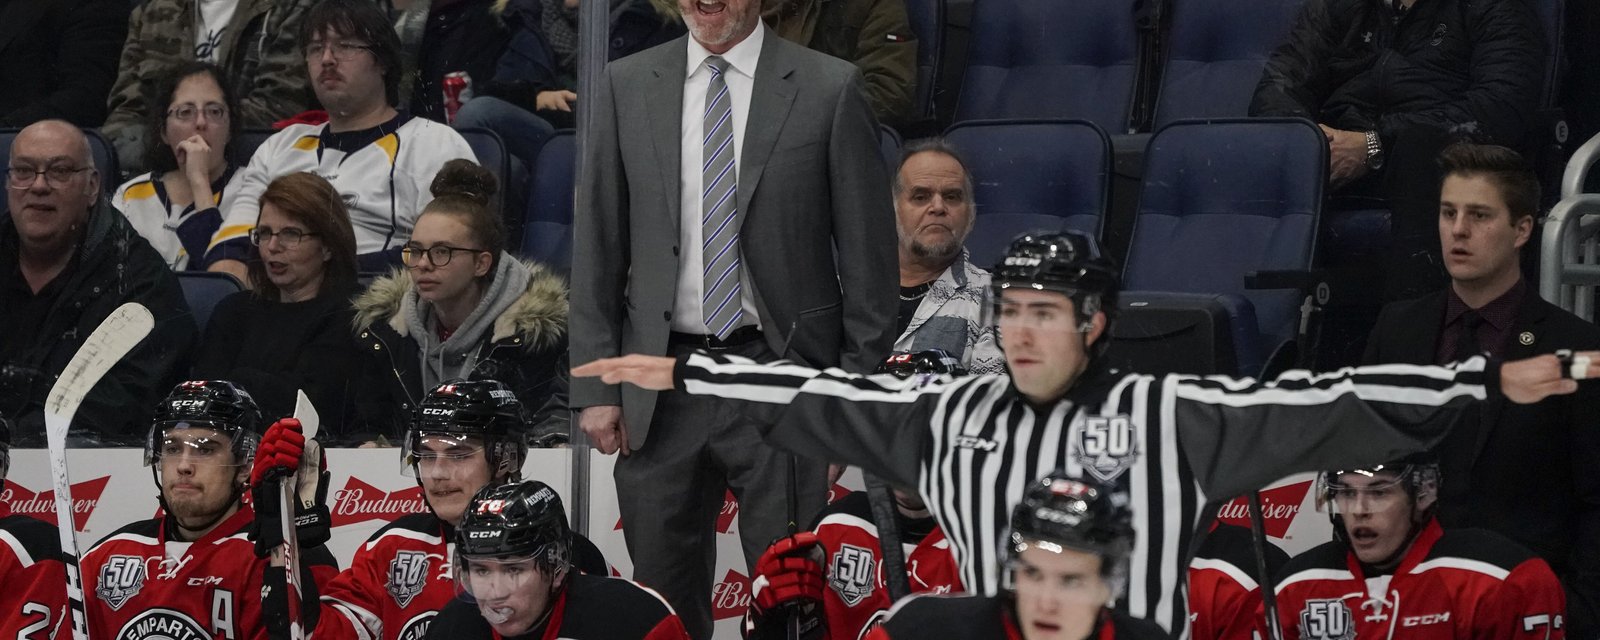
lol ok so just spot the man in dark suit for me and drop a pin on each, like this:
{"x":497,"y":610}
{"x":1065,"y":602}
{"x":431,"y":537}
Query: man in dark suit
{"x":1524,"y":471}
{"x":734,"y":200}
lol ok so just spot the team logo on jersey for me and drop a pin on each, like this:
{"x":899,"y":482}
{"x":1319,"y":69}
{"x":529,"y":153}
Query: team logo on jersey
{"x":120,"y":579}
{"x":1106,"y":446}
{"x":417,"y":627}
{"x":851,"y":574}
{"x":1327,"y":620}
{"x":408,"y":574}
{"x":162,"y":624}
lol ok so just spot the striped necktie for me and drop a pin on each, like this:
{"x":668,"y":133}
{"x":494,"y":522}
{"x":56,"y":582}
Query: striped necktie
{"x":720,"y":304}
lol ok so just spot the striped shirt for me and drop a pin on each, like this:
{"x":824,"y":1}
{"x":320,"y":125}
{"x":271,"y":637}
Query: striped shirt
{"x":1175,"y":443}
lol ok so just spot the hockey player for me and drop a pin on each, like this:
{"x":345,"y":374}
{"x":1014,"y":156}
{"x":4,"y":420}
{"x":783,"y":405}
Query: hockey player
{"x":848,"y":580}
{"x":192,"y":572}
{"x":1225,"y":586}
{"x":462,"y":438}
{"x":1066,"y":558}
{"x":1173,"y":443}
{"x":1392,"y":572}
{"x":34,"y":602}
{"x":513,"y":566}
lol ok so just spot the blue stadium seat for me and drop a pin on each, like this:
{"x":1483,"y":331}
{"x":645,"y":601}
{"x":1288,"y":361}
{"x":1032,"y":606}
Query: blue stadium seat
{"x":547,"y":234}
{"x":1225,"y":198}
{"x":1031,"y":175}
{"x":889,"y":144}
{"x":1051,"y":59}
{"x":1217,"y":50}
{"x":927,"y":22}
{"x":491,"y":154}
{"x":105,"y":158}
{"x":203,"y":290}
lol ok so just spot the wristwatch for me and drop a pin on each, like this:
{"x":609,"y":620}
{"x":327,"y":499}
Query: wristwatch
{"x":1374,"y":151}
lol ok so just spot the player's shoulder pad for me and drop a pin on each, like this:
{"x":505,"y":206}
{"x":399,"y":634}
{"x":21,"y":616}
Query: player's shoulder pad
{"x":142,"y":531}
{"x":30,"y":537}
{"x":1475,"y":550}
{"x":1131,"y":628}
{"x":944,"y":606}
{"x":599,"y":606}
{"x":424,"y":523}
{"x":1326,"y":561}
{"x":855,"y":503}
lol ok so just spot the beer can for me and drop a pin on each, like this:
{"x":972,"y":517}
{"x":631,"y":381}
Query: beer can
{"x":457,"y":91}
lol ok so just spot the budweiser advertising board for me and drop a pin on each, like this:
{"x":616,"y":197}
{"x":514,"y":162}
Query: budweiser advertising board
{"x":112,"y":487}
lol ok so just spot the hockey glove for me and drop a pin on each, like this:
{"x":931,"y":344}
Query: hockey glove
{"x":283,"y":451}
{"x":788,"y":589}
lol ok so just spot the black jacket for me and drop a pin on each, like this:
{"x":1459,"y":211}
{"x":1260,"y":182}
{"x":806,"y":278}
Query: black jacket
{"x":58,"y":59}
{"x":113,"y":265}
{"x":1524,"y":471}
{"x":590,"y":607}
{"x":461,"y":35}
{"x":1469,"y":67}
{"x":988,"y":618}
{"x":274,"y":349}
{"x":527,"y":351}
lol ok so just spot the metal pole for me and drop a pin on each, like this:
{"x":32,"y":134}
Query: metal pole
{"x":594,"y":37}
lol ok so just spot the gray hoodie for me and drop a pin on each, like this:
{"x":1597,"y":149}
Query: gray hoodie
{"x":455,"y":358}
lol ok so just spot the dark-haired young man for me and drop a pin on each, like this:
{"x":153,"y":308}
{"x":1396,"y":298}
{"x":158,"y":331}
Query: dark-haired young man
{"x":381,"y":161}
{"x":1523,"y":471}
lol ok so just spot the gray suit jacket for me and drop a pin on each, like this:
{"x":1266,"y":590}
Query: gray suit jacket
{"x":816,"y":217}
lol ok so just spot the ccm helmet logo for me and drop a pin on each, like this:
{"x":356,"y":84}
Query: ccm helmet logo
{"x":483,"y":534}
{"x":188,"y":404}
{"x":435,"y":412}
{"x":1022,"y":261}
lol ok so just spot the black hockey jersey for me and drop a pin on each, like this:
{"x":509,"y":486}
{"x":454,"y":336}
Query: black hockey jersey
{"x":987,"y":618}
{"x":589,"y":608}
{"x":33,"y":602}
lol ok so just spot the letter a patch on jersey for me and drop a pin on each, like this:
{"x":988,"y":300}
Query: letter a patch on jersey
{"x":408,"y":574}
{"x":852,"y":574}
{"x":1106,"y":447}
{"x":120,"y":579}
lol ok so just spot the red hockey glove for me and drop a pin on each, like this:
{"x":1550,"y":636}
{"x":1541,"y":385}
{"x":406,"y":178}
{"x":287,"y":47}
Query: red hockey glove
{"x":279,"y":451}
{"x":789,"y":573}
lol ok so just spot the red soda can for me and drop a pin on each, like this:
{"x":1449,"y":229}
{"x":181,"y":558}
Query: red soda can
{"x":457,"y":91}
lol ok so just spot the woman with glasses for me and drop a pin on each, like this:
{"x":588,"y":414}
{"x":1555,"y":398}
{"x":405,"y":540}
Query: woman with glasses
{"x":178,"y":205}
{"x":462,"y":307}
{"x":291,"y":331}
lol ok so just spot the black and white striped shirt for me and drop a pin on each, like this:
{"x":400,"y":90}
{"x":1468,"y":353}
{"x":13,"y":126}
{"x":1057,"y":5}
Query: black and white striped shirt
{"x":1172,"y":443}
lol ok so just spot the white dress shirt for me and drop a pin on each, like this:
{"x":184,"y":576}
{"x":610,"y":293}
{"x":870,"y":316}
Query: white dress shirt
{"x":687,"y":311}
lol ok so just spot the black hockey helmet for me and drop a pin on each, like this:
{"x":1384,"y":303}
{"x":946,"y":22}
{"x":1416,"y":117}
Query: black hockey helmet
{"x":1066,"y":512}
{"x":1416,"y":474}
{"x":517,"y":520}
{"x":483,"y":409}
{"x":904,"y":364}
{"x":218,"y":405}
{"x":1067,"y":262}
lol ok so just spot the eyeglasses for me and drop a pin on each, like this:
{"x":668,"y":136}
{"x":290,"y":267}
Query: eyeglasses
{"x":187,"y":112}
{"x":438,"y":255}
{"x":287,"y":238}
{"x":57,"y":176}
{"x":342,"y":51}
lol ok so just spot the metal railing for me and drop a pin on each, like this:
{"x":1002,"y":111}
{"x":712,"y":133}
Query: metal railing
{"x":1570,"y":264}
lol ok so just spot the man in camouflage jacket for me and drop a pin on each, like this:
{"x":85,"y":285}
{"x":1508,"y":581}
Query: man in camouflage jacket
{"x":874,"y":34}
{"x":259,"y":52}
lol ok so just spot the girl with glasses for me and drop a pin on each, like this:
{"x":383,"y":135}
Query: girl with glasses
{"x":462,"y":307}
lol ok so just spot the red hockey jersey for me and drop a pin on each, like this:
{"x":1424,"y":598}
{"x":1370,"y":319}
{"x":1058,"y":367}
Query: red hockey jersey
{"x":857,"y":595}
{"x":33,"y":603}
{"x":399,"y":579}
{"x":1224,"y":589}
{"x":589,"y":608}
{"x":141,"y":585}
{"x":988,"y":618}
{"x":1464,"y":583}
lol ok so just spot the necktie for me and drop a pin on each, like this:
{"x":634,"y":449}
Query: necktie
{"x":1467,"y":346}
{"x":720,"y":304}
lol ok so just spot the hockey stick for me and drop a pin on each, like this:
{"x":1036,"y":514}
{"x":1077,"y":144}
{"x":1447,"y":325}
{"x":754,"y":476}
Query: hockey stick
{"x":113,"y":339}
{"x":1282,"y":359}
{"x":881,"y":499}
{"x":288,"y":503}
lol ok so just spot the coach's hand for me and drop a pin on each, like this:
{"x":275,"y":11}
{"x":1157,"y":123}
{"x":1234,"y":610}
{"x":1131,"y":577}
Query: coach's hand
{"x":1534,"y":379}
{"x":649,"y":372}
{"x":603,"y":424}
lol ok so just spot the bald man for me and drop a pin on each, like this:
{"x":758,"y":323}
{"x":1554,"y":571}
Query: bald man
{"x":67,"y":260}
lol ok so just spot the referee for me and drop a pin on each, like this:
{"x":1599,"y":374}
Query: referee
{"x":1173,"y":442}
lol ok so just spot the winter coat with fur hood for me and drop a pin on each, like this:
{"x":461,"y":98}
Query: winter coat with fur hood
{"x":524,"y":347}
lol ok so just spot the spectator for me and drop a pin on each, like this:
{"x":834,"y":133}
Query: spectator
{"x":1391,"y":85}
{"x":1455,"y":583}
{"x":941,"y":294}
{"x":439,"y":37}
{"x":716,"y":224}
{"x":463,"y":308}
{"x":67,"y":260}
{"x":533,"y":88}
{"x":379,"y":159}
{"x":875,"y":35}
{"x":1523,"y":471}
{"x":58,"y":59}
{"x":253,"y":41}
{"x":291,"y":331}
{"x":178,"y":206}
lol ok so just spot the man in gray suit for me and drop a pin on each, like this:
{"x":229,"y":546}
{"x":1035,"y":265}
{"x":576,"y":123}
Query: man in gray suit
{"x":735,"y":202}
